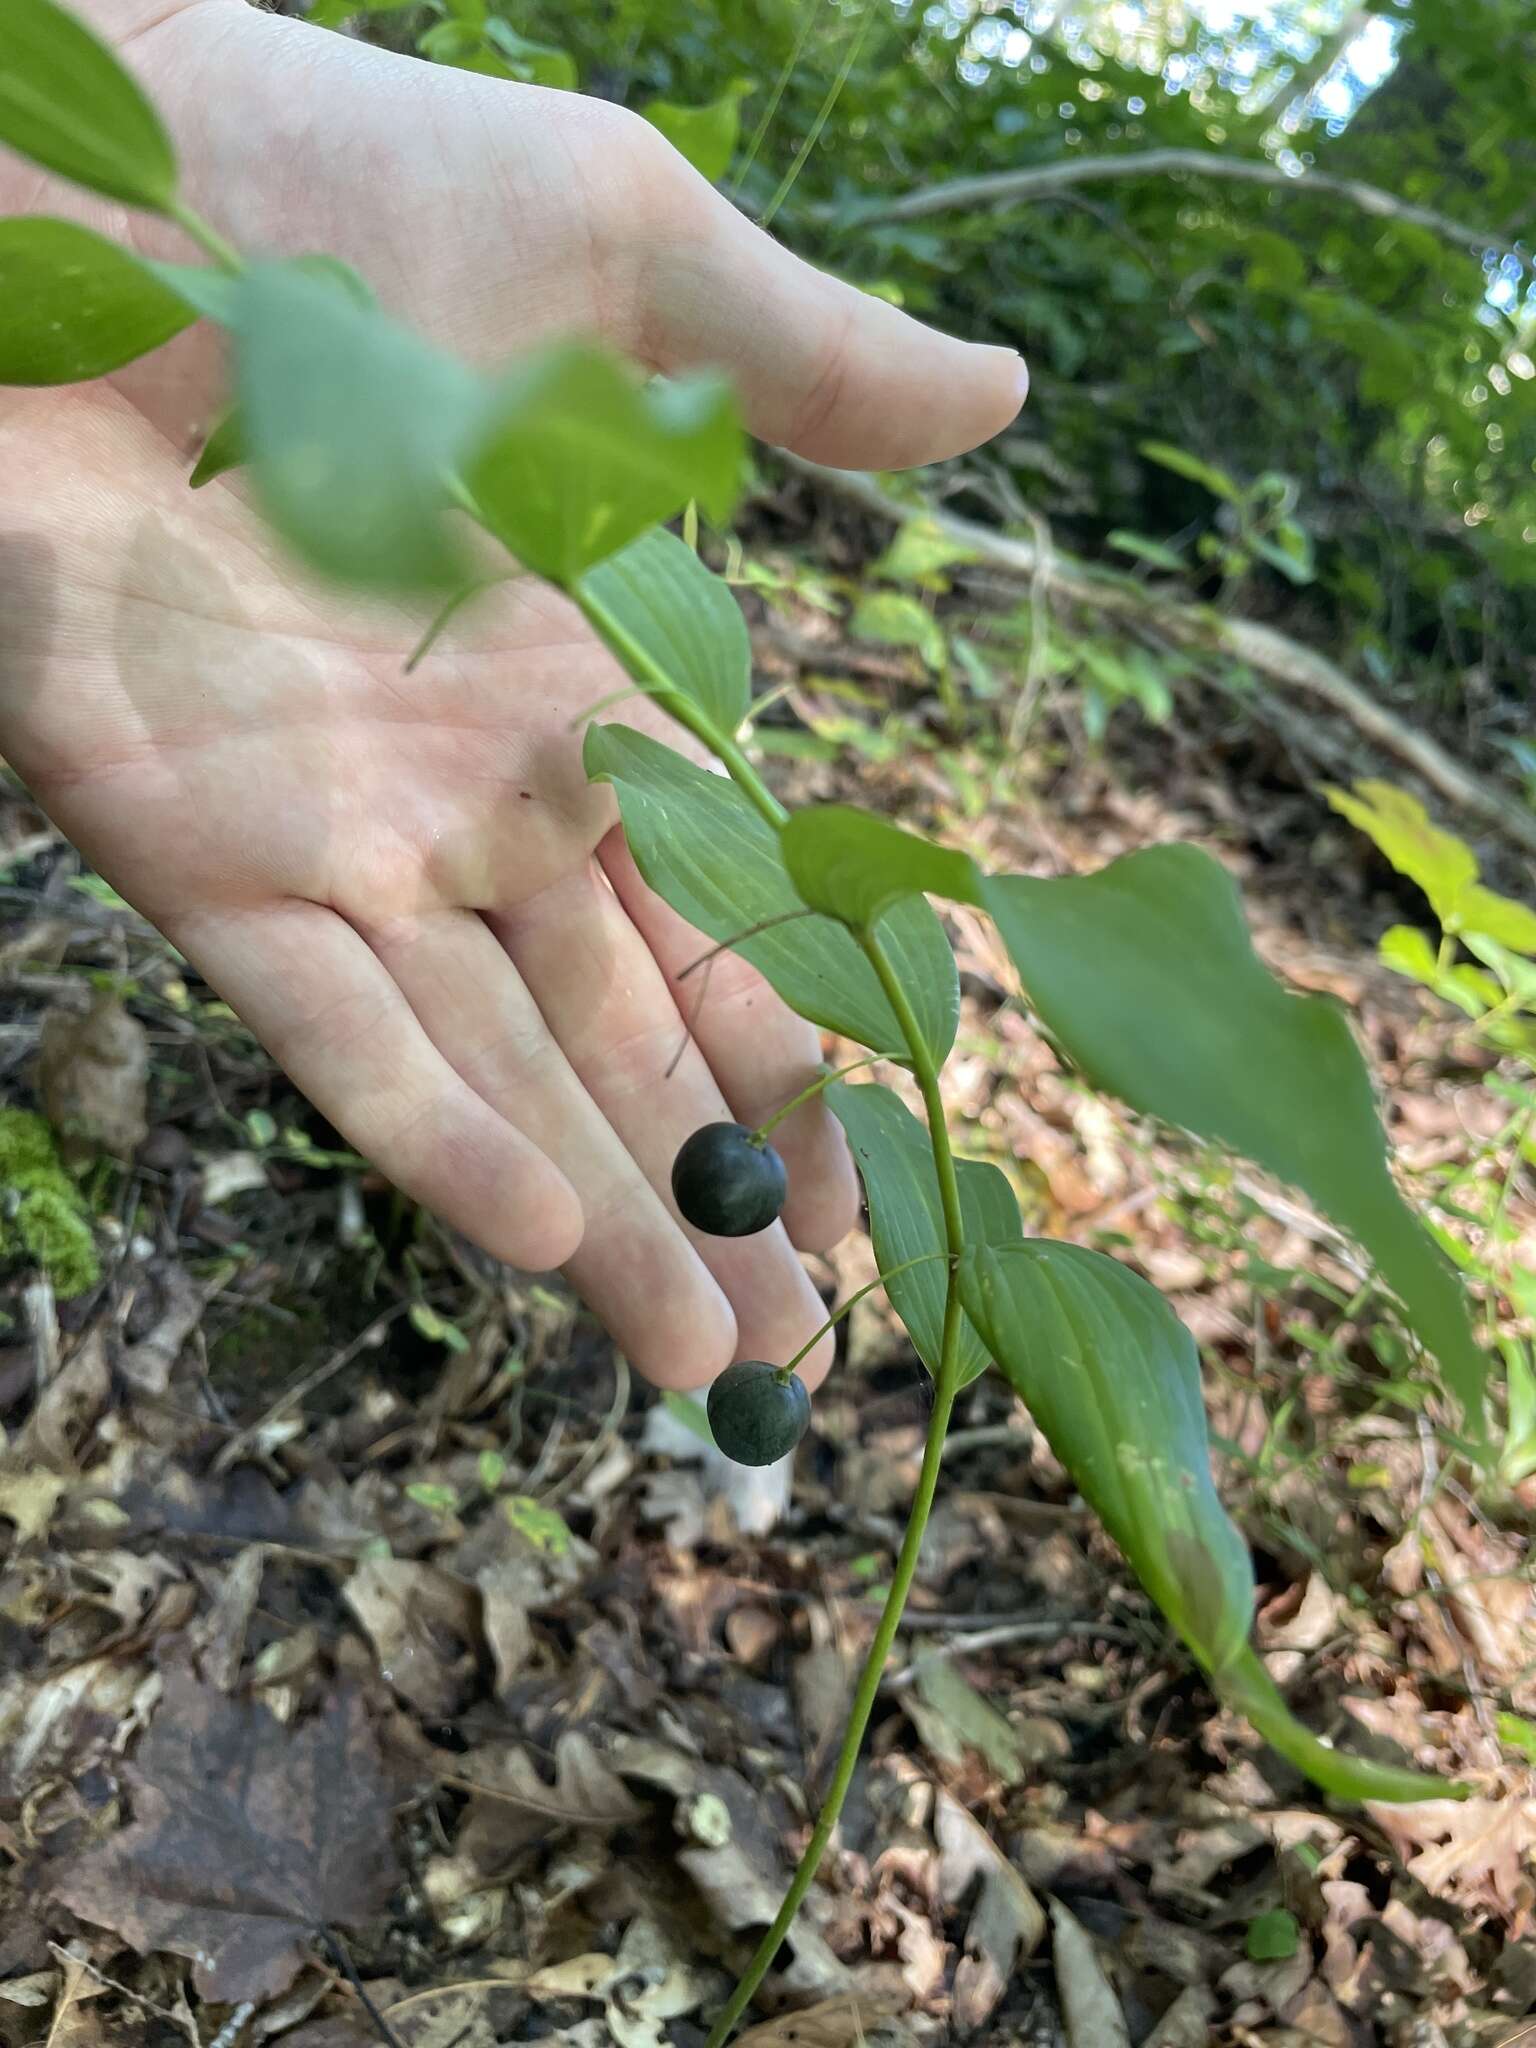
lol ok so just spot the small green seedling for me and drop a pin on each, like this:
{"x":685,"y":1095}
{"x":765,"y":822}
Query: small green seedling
{"x":758,"y":1412}
{"x":367,"y":448}
{"x":727,"y":1182}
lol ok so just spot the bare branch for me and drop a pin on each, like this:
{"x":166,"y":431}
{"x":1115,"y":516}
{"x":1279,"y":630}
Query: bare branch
{"x":1274,"y":655}
{"x":1041,"y":181}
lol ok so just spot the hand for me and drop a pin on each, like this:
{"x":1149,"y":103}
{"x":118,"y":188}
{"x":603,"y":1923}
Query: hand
{"x":403,"y":884}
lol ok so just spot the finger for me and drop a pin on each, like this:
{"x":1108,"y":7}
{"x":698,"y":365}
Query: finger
{"x":635,"y":1268}
{"x":607,"y":1003}
{"x":823,"y":368}
{"x":758,"y":1050}
{"x":327,"y":1010}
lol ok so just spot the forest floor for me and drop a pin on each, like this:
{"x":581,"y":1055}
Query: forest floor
{"x":359,"y":1650}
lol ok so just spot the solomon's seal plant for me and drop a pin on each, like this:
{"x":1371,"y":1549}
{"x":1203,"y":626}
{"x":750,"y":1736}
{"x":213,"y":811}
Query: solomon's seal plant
{"x":367,"y":449}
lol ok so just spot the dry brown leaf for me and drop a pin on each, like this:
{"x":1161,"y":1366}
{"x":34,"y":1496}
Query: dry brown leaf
{"x":1089,"y":2008}
{"x":513,"y":1805}
{"x":1481,"y":1853}
{"x":245,"y":1839}
{"x":93,"y":1074}
{"x":423,"y":1626}
{"x":30,"y":1500}
{"x":845,"y":2021}
{"x":1007,"y":1922}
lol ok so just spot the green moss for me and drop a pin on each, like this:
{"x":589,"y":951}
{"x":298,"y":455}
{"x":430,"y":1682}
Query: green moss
{"x":43,"y":1220}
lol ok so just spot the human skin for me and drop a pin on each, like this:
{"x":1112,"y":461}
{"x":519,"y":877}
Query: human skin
{"x":403,"y":883}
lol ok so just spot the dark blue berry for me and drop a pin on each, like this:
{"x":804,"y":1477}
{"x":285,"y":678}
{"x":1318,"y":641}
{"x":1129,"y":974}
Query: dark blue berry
{"x":726,"y":1185}
{"x":757,"y":1417}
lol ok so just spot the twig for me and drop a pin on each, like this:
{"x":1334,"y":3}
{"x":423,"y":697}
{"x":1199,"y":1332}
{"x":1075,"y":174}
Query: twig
{"x":1274,"y":655}
{"x":1042,"y":181}
{"x":1016,"y":1632}
{"x":343,"y":1962}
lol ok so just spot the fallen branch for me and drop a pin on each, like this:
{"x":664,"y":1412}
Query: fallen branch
{"x":1274,"y":655}
{"x":1040,"y":181}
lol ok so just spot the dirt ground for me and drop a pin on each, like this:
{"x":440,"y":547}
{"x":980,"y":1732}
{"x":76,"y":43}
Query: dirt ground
{"x":367,"y":1674}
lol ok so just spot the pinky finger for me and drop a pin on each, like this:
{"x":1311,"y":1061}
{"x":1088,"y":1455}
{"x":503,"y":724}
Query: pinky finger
{"x":328,"y":1011}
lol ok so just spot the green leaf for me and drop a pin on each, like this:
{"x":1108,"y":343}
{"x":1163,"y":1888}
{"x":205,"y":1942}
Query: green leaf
{"x":906,"y":1213}
{"x":354,"y":427}
{"x":920,"y":553}
{"x":1407,"y":950}
{"x":692,"y":1414}
{"x":581,"y":459}
{"x":891,"y":618}
{"x":855,"y":866}
{"x":529,"y":62}
{"x":1145,"y":974}
{"x":1273,"y":1937}
{"x":1442,"y":865}
{"x":223,"y":450}
{"x":74,"y":305}
{"x":656,"y":597}
{"x":542,"y":1527}
{"x":218,"y":296}
{"x":1517,"y":1734}
{"x":706,"y":135}
{"x":1156,"y":552}
{"x":1113,"y":1378}
{"x":704,"y":849}
{"x":211,"y":294}
{"x":1182,"y":463}
{"x":67,"y":103}
{"x":1248,"y":1687}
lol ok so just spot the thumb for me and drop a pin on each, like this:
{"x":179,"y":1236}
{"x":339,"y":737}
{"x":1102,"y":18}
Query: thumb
{"x":823,"y":368}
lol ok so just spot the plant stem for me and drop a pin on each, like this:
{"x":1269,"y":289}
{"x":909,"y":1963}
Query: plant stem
{"x":944,"y":1391}
{"x":766,"y":1129}
{"x":207,"y":239}
{"x":922,"y":1259}
{"x":654,"y":679}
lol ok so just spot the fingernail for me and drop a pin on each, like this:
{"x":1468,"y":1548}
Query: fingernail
{"x":1023,"y":380}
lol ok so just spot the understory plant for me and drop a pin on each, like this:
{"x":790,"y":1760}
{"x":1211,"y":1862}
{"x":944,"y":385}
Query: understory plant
{"x":371,"y":453}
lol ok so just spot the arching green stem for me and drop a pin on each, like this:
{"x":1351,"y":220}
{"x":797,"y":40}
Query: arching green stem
{"x":659,"y":684}
{"x":922,"y":1259}
{"x":207,"y":239}
{"x":945,"y":1388}
{"x":766,"y":1129}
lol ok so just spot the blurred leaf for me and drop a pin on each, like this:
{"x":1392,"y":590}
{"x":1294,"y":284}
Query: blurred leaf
{"x":1219,"y":1046}
{"x":678,"y":819}
{"x":67,"y":103}
{"x":920,"y":553}
{"x":707,"y":136}
{"x":891,"y":618}
{"x":354,"y":427}
{"x":223,"y":450}
{"x":692,"y":1414}
{"x":1273,"y":1937}
{"x":533,"y":63}
{"x":74,"y":306}
{"x":657,"y":597}
{"x":543,"y":1528}
{"x":581,"y":458}
{"x":1183,"y":463}
{"x":906,"y":1214}
{"x":967,"y":1716}
{"x":1157,"y":552}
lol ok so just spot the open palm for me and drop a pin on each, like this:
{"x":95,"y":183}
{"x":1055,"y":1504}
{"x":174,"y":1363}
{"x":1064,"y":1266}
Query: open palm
{"x":402,"y":882}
